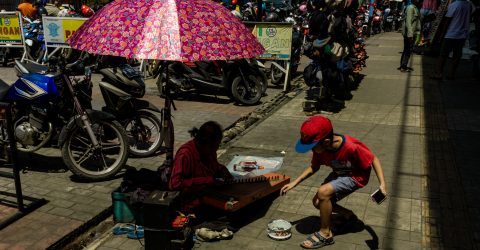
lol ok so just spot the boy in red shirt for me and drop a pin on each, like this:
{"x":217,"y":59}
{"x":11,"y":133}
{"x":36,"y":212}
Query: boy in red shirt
{"x":351,"y":162}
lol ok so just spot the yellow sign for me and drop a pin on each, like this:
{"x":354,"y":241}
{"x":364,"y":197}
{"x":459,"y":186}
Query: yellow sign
{"x":57,"y":30}
{"x":70,"y":26}
{"x":10,"y":33}
{"x":276,"y":38}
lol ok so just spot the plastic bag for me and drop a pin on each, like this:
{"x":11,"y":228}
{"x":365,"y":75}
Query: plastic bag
{"x":264,"y":165}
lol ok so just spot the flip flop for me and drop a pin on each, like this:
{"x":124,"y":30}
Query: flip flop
{"x":118,"y":230}
{"x":138,"y":234}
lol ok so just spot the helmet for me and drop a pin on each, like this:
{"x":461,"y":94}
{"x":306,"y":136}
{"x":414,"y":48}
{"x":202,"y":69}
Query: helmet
{"x":38,"y":3}
{"x":272,"y":17}
{"x":303,"y":8}
{"x":63,"y":13}
{"x":234,"y":2}
{"x":86,"y":11}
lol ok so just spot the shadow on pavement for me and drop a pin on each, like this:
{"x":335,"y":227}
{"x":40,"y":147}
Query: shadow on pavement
{"x":452,"y":140}
{"x":41,"y":163}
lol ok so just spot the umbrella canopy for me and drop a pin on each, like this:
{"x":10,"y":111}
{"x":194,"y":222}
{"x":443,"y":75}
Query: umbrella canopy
{"x":174,"y":30}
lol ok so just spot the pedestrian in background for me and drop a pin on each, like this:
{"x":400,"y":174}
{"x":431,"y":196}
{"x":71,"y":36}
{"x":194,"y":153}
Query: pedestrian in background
{"x":457,"y":27}
{"x":351,"y":162}
{"x":54,"y":8}
{"x":410,"y":30}
{"x":27,"y":9}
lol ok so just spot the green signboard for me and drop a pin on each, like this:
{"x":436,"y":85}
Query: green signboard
{"x":276,"y":38}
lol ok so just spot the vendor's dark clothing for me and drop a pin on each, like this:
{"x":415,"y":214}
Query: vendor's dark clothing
{"x":192,"y":173}
{"x":318,"y":25}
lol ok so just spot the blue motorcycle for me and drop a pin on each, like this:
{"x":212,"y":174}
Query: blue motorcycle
{"x":53,"y":104}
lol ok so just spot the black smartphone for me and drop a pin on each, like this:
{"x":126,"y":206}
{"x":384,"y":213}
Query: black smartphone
{"x":378,"y":196}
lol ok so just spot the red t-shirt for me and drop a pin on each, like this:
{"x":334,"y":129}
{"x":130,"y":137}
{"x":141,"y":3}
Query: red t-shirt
{"x":353,"y":159}
{"x":189,"y":171}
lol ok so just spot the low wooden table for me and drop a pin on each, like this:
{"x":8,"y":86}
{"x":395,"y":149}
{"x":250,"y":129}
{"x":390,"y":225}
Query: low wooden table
{"x":242,"y":192}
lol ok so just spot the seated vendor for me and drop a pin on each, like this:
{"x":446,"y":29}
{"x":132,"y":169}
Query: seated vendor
{"x":196,"y":165}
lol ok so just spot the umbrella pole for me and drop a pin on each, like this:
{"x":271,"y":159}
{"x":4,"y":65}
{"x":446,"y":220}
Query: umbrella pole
{"x":167,"y":129}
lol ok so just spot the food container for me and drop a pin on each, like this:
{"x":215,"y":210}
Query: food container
{"x":279,"y":229}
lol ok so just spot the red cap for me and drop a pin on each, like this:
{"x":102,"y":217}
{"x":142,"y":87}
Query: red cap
{"x":313,"y":130}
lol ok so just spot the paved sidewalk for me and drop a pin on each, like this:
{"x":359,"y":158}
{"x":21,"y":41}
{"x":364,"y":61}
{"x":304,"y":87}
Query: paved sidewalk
{"x":73,"y":205}
{"x":424,"y":132}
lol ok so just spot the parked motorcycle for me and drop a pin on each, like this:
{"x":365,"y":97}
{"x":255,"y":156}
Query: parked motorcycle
{"x":397,"y":20}
{"x":53,"y":104}
{"x":34,"y":40}
{"x":8,"y":53}
{"x":388,"y":23}
{"x":376,"y":24}
{"x":241,"y":80}
{"x":121,"y":88}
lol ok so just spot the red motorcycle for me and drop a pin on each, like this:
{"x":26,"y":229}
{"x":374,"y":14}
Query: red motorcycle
{"x":377,"y":22}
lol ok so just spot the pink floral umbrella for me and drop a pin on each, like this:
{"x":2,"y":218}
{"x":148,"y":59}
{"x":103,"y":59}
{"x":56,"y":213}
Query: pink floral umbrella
{"x":172,"y":30}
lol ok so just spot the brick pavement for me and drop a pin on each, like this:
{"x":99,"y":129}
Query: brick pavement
{"x":73,"y":205}
{"x":425,"y":134}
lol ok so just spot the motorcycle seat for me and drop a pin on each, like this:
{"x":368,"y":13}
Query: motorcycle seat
{"x":27,"y":68}
{"x":4,"y":87}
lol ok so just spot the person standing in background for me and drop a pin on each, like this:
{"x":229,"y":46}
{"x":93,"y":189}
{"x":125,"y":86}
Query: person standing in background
{"x":27,"y":9}
{"x":410,"y":29}
{"x":54,"y":8}
{"x":457,"y":27}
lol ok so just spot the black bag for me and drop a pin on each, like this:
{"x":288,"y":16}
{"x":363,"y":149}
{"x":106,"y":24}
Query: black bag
{"x":144,"y":179}
{"x":310,"y":75}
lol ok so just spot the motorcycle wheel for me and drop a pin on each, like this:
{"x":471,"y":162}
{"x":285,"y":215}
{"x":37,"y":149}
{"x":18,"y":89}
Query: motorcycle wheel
{"x":4,"y":56}
{"x":145,"y":138}
{"x":262,"y":78}
{"x":96,"y":164}
{"x":242,"y":94}
{"x":276,"y":75}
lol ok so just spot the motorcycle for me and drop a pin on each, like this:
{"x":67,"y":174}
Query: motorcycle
{"x":53,"y":104}
{"x":7,"y":53}
{"x":397,"y":20}
{"x":34,"y":40}
{"x":121,"y":88}
{"x":241,"y":80}
{"x":376,"y":24}
{"x":388,"y":23}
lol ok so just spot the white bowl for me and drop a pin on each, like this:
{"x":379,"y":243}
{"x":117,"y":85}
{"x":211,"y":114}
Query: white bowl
{"x":279,"y":229}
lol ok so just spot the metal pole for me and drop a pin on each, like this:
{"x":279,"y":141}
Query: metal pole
{"x":13,"y":151}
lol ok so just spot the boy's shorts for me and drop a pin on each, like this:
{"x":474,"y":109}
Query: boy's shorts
{"x":342,"y":186}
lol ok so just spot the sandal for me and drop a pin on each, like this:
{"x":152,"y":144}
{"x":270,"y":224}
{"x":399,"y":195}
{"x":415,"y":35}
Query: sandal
{"x":320,"y":242}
